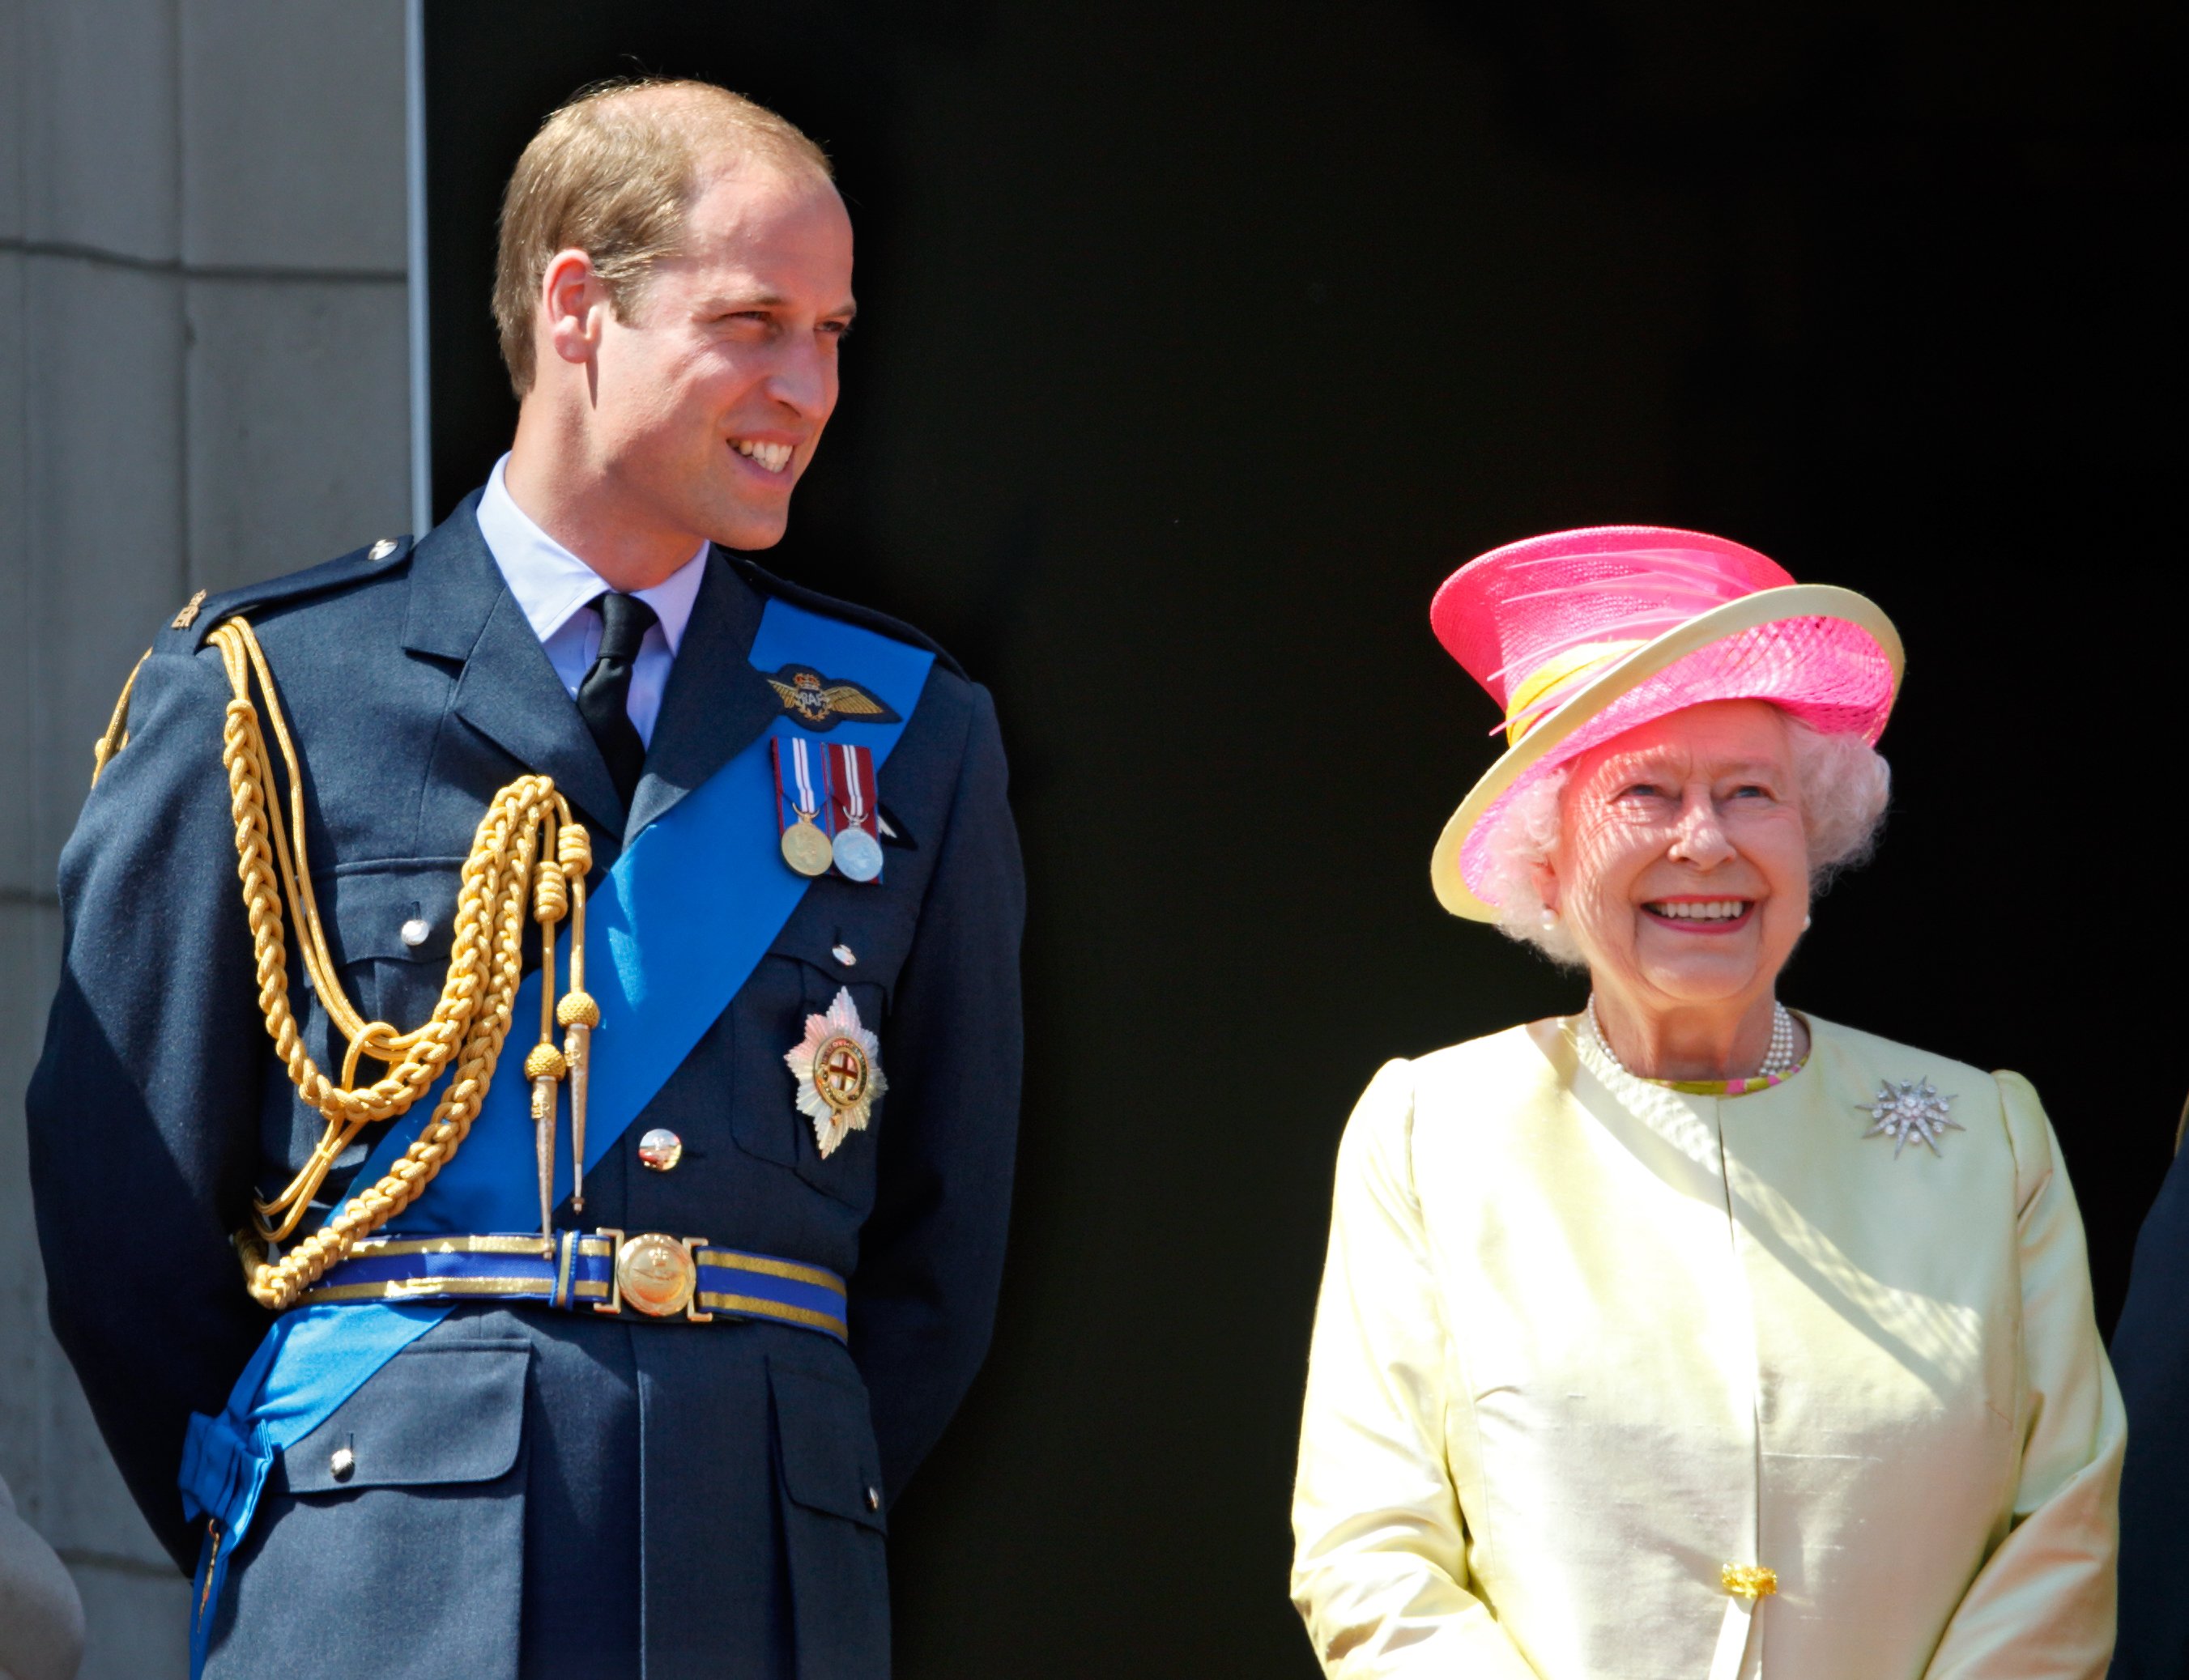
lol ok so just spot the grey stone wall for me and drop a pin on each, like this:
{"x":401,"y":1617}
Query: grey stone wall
{"x":203,"y":356}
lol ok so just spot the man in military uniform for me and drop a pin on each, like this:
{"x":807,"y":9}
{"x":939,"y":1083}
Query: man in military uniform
{"x":607,"y":1356}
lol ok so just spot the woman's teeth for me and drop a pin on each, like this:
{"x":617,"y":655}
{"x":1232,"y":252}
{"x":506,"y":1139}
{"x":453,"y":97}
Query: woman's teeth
{"x":1707,"y":909}
{"x":773,"y":456}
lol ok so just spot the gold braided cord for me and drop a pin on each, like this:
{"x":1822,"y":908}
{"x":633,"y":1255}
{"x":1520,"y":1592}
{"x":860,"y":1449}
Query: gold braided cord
{"x":117,"y":726}
{"x":528,"y":824}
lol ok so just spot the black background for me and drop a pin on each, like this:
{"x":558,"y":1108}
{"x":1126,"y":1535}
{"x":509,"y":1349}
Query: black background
{"x":1197,"y":344}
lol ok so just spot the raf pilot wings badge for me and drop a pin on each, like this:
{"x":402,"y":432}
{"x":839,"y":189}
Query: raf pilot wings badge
{"x":820,"y":703}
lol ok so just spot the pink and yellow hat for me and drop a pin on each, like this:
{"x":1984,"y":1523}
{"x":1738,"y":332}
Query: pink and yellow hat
{"x":1582,"y":635}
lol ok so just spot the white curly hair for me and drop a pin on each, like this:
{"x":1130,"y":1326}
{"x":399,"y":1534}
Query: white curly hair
{"x":1845,"y":783}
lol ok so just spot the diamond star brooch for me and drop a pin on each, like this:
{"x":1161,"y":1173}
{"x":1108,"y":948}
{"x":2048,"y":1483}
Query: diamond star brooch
{"x":1909,"y":1109}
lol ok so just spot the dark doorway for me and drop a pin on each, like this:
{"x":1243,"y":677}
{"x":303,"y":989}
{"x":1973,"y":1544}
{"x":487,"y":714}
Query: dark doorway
{"x":1197,"y":344}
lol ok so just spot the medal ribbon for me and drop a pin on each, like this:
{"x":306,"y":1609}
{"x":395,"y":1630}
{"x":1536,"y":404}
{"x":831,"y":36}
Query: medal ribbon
{"x":799,"y":802}
{"x":808,"y":806}
{"x":852,"y":773}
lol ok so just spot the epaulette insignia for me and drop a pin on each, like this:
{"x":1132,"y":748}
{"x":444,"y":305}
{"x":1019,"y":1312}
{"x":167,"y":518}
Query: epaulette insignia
{"x":820,"y":703}
{"x":188,"y":616}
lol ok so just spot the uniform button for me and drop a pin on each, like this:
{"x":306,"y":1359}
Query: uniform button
{"x":343,"y":1462}
{"x":383,"y":548}
{"x":845,"y":955}
{"x":1750,"y":1582}
{"x":660,"y":1149}
{"x":416,"y":932}
{"x":874,"y":1499}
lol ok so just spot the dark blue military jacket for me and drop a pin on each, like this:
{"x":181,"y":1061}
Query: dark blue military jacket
{"x":2151,"y":1357}
{"x":534,"y":1493}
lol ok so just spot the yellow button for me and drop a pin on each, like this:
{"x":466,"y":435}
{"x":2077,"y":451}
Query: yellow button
{"x":1748,"y":1580}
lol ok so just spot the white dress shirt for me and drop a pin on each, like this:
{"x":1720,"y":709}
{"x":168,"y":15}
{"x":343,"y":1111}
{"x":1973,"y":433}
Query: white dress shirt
{"x":555,"y":589}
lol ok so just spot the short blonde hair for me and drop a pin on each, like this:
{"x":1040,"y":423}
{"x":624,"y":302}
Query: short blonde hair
{"x":613,"y":173}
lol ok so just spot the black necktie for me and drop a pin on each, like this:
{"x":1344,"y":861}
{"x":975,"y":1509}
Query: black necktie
{"x":604,"y":697}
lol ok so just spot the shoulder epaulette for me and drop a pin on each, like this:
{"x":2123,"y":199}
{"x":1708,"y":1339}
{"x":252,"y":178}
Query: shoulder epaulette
{"x":864,"y":616}
{"x":185,"y":633}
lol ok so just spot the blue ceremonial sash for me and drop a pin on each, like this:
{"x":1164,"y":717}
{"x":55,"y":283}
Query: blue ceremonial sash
{"x":672,"y":933}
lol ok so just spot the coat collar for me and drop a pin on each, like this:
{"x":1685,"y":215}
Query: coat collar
{"x":460,"y":609}
{"x":716,"y":705}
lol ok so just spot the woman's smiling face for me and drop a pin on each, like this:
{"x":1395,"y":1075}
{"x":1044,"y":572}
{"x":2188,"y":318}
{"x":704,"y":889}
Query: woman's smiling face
{"x":1682,"y":865}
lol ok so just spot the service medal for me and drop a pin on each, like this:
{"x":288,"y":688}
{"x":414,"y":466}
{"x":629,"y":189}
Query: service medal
{"x":838,"y":1067}
{"x":805,"y":849}
{"x":857,"y":854}
{"x":852,"y":786}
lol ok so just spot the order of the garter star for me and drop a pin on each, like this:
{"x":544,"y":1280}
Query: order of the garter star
{"x":838,"y":1066}
{"x":1909,"y":1109}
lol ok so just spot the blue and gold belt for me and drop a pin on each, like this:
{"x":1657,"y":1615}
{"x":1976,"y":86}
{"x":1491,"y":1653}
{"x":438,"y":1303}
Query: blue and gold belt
{"x":602,"y":1270}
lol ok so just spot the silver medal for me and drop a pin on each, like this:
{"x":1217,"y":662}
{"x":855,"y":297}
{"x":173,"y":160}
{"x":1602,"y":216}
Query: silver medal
{"x":858,"y":854}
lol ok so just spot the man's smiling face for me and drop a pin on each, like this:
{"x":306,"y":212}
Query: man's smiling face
{"x":708,"y":403}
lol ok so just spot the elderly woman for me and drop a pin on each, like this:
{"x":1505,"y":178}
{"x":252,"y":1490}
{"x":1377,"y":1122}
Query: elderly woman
{"x":1687,"y":1336}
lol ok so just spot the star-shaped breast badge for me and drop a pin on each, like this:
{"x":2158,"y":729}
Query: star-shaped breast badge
{"x":1909,"y":1109}
{"x":839,"y":1069}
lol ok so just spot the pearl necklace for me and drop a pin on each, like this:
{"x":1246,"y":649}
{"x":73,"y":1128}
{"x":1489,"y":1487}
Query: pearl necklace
{"x":1777,"y":1060}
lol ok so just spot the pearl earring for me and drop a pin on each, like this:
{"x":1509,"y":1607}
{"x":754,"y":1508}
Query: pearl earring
{"x":1550,"y":920}
{"x":1807,"y":922}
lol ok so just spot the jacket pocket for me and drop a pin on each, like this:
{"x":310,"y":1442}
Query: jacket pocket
{"x":433,"y":1415}
{"x":829,"y":1471}
{"x":796,"y":980}
{"x":412,"y":1495}
{"x":373,"y":911}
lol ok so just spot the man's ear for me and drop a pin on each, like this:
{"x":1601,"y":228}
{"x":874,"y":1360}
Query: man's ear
{"x":574,"y":305}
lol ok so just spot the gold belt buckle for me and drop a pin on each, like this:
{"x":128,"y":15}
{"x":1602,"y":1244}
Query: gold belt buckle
{"x":656,"y":1274}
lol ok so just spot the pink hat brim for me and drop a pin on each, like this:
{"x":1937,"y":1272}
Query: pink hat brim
{"x":1833,"y":660}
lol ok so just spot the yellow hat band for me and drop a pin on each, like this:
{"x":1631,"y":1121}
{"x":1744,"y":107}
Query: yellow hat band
{"x":1523,"y":711}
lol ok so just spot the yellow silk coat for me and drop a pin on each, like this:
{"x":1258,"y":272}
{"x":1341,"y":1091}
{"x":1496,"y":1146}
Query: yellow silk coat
{"x":1584,"y":1339}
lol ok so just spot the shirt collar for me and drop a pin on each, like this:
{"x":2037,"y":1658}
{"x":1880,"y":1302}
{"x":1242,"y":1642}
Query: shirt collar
{"x":550,"y":584}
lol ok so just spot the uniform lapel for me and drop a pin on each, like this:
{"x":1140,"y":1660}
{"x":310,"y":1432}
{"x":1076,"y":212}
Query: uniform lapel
{"x":460,"y":609}
{"x":715,"y":704}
